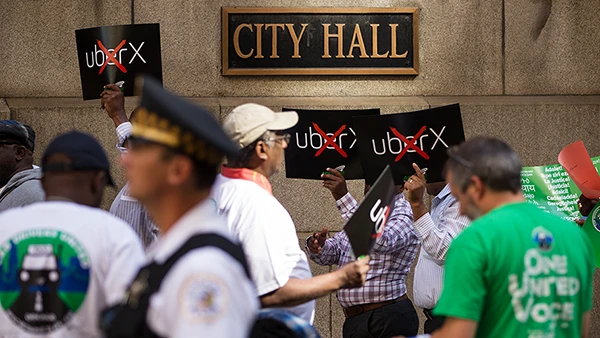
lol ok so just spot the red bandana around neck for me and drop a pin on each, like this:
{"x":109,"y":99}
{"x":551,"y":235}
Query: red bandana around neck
{"x":248,"y":175}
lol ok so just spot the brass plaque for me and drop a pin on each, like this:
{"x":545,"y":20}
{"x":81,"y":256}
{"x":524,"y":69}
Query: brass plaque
{"x":320,"y":41}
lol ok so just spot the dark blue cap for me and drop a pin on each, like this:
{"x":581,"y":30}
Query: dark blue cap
{"x":17,"y":131}
{"x":83,"y":151}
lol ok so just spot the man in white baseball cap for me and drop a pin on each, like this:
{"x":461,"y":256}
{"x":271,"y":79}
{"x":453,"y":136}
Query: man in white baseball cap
{"x":265,"y":229}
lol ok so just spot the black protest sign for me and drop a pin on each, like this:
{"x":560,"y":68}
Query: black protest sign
{"x":117,"y":53}
{"x":368,"y":222}
{"x":420,"y":137}
{"x":324,"y":139}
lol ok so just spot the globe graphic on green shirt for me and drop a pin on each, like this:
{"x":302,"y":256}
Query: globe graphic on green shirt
{"x":596,"y":219}
{"x":44,"y":278}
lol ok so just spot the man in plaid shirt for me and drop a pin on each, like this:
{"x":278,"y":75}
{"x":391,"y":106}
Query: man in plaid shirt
{"x":380,"y":308}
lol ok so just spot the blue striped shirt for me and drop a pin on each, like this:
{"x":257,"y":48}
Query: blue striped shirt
{"x":436,"y":231}
{"x":133,"y":213}
{"x":128,"y":208}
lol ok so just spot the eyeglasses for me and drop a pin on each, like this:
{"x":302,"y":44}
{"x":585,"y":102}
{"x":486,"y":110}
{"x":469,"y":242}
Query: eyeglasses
{"x":122,"y":150}
{"x":284,"y":137}
{"x":454,"y":156}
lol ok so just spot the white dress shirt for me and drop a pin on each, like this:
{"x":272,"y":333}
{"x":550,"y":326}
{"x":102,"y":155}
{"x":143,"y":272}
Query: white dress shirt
{"x":436,"y":231}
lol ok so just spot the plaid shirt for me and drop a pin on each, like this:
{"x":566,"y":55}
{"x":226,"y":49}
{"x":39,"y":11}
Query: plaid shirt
{"x":392,"y":255}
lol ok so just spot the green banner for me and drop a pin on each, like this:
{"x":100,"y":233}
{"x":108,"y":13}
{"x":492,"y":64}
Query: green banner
{"x":552,"y":190}
{"x":592,"y":229}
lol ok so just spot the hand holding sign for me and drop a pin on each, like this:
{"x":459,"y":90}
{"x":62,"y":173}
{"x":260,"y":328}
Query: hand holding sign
{"x":415,"y":186}
{"x":585,"y":205}
{"x":113,"y":101}
{"x":336,"y":183}
{"x":576,"y":161}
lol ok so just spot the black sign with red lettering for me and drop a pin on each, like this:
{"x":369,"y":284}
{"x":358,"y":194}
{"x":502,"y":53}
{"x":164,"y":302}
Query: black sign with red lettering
{"x":368,"y":222}
{"x":398,"y":140}
{"x":112,"y":54}
{"x":324,"y":139}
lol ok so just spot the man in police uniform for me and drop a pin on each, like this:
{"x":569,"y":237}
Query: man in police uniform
{"x":192,"y":286}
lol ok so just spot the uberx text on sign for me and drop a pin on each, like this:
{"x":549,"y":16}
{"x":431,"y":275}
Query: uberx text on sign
{"x":101,"y":57}
{"x":324,"y":139}
{"x":112,"y":54}
{"x":320,"y":41}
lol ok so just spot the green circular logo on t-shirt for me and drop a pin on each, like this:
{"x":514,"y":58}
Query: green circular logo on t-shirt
{"x":542,"y":238}
{"x":44,"y":279}
{"x":596,"y":219}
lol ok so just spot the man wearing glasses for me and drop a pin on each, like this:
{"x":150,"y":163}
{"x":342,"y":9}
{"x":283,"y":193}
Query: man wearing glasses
{"x":266,"y":231}
{"x":19,"y":179}
{"x":124,"y":206}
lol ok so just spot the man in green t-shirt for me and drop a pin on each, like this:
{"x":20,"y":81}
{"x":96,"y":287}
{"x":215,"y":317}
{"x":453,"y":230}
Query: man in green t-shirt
{"x":516,"y":271}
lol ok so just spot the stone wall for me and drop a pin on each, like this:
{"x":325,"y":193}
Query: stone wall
{"x":525,"y":71}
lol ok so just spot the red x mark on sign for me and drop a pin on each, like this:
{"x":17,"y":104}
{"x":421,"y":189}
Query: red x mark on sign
{"x":111,"y":57}
{"x":410,"y":144}
{"x":329,"y":140}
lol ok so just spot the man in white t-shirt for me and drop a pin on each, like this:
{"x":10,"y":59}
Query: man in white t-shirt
{"x":243,"y":194}
{"x":64,"y":260}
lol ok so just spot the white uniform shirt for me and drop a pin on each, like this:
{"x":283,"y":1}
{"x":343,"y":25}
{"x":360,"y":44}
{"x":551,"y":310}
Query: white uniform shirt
{"x":268,"y":236}
{"x":206,"y":292}
{"x":62,"y":263}
{"x":436,"y":232}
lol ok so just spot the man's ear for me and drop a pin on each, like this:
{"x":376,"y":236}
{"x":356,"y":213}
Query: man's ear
{"x":179,"y":170}
{"x":20,"y":152}
{"x":261,"y":150}
{"x":477,"y":187}
{"x":98,"y":182}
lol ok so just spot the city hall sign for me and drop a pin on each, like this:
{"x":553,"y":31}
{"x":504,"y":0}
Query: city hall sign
{"x":320,"y":41}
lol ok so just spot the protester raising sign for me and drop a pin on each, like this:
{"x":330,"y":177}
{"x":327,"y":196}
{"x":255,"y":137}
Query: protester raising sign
{"x":324,"y":139}
{"x":367,"y":223}
{"x":420,"y":137}
{"x":117,"y":53}
{"x":552,"y":190}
